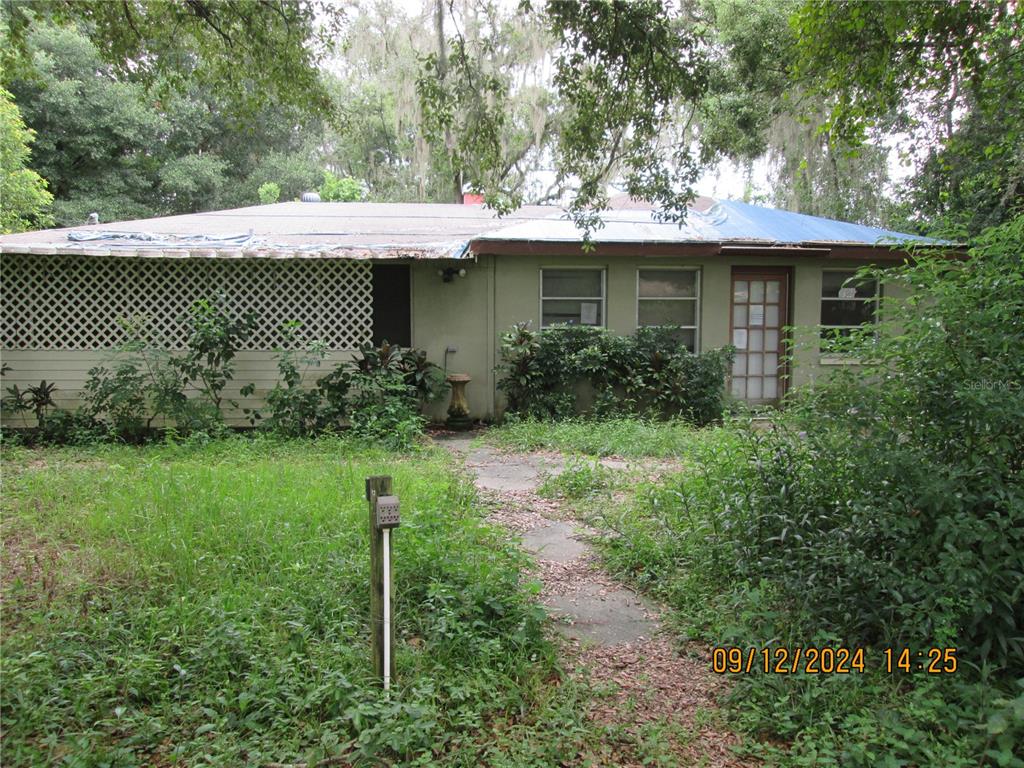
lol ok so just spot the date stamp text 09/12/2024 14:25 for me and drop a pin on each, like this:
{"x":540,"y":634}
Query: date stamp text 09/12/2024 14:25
{"x":829,"y":661}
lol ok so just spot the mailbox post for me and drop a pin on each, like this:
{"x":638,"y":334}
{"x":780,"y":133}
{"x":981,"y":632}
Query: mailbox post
{"x":384,"y":516}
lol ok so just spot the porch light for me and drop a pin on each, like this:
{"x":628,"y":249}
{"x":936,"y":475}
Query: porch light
{"x":448,"y":273}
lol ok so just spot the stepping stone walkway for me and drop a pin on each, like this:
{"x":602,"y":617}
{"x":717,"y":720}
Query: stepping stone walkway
{"x":615,"y":633}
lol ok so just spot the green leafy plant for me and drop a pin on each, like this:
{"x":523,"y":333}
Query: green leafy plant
{"x":383,"y":408}
{"x":340,"y":189}
{"x":37,"y":400}
{"x":298,"y":411}
{"x":269,"y":193}
{"x":649,"y":373}
{"x":208,"y":359}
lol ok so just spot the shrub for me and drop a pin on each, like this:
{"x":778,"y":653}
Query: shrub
{"x":380,"y":391}
{"x":649,"y":373}
{"x":384,"y":409}
{"x":269,"y":193}
{"x":344,"y":189}
{"x":297,"y":411}
{"x":144,"y":382}
{"x":208,"y":359}
{"x":425,"y":378}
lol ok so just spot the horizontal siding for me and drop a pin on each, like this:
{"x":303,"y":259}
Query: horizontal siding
{"x":69,"y":370}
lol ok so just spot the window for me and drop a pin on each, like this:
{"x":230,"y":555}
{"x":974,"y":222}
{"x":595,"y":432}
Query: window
{"x":847,"y":302}
{"x":571,"y":297}
{"x":669,"y":297}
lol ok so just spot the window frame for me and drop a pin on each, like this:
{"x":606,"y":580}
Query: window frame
{"x":830,"y":355}
{"x":603,"y":298}
{"x":876,"y":298}
{"x":696,"y":299}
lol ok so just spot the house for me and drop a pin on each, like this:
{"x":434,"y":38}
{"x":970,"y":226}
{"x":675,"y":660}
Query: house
{"x":446,"y":278}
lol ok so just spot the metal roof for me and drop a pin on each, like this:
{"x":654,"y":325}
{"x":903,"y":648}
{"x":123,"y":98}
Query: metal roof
{"x":430,"y":231}
{"x":711,"y":221}
{"x":284,"y":230}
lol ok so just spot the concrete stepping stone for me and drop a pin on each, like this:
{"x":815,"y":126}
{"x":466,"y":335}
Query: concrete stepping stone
{"x":556,"y":542}
{"x":601,"y":615}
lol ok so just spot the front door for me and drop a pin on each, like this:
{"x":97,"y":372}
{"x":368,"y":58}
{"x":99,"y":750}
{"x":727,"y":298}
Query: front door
{"x":759,"y":305}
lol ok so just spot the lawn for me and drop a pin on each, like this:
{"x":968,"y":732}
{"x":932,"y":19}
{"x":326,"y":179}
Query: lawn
{"x":209,"y":605}
{"x":626,"y":437}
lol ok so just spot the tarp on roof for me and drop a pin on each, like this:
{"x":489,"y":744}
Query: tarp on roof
{"x":284,"y":230}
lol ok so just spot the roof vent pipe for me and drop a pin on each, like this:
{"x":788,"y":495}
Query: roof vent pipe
{"x":94,"y":218}
{"x":310,"y":197}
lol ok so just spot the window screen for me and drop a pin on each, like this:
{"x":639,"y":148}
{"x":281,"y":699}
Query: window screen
{"x":847,"y":302}
{"x":669,"y":297}
{"x":572,"y":297}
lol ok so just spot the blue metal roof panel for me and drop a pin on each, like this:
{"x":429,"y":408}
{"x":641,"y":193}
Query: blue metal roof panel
{"x":724,"y":222}
{"x":743,"y":221}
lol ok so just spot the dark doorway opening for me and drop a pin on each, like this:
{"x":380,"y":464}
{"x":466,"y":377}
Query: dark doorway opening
{"x":392,"y":306}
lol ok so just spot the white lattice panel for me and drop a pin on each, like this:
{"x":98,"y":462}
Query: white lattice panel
{"x":81,"y":302}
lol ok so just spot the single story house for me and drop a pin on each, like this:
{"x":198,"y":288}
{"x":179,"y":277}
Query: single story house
{"x":445,"y":278}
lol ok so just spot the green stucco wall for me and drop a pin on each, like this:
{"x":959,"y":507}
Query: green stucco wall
{"x":498,"y":291}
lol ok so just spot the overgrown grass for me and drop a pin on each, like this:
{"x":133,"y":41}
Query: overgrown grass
{"x":627,"y":437}
{"x":209,"y":604}
{"x":679,"y":538}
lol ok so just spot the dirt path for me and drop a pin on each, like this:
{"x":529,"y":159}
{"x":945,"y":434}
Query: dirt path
{"x":614,"y":634}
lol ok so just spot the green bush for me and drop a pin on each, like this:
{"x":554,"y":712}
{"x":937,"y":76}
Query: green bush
{"x":145,"y":383}
{"x":344,"y":189}
{"x":380,"y":392}
{"x":886,"y":509}
{"x":269,"y":193}
{"x":649,"y":373}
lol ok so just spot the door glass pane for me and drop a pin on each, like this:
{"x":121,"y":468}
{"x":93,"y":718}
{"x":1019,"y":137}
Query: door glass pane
{"x":771,"y":363}
{"x":571,"y":312}
{"x":756,"y":291}
{"x":771,"y":315}
{"x":739,"y":316}
{"x":740,"y":291}
{"x":665,"y":283}
{"x":772,"y":291}
{"x":572,"y":282}
{"x":756,"y":340}
{"x":756,"y":314}
{"x":739,"y":387}
{"x":754,"y":365}
{"x":754,"y":388}
{"x":654,"y":312}
{"x":739,"y":338}
{"x":771,"y":388}
{"x":771,"y":339}
{"x":739,"y":364}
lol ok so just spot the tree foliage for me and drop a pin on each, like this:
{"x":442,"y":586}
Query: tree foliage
{"x":24,"y":198}
{"x":106,"y":145}
{"x":948,"y":74}
{"x":246,"y":52}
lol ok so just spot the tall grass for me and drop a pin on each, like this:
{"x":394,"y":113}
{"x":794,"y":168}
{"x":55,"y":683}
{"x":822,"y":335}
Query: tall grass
{"x":210,"y":604}
{"x":627,"y":437}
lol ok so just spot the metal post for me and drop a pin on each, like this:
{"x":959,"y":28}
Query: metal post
{"x":377,"y":486}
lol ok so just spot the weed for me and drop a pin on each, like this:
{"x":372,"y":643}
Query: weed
{"x":219,"y":613}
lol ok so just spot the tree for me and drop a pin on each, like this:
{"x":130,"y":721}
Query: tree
{"x":755,"y":108}
{"x":948,"y":74}
{"x":340,"y":190}
{"x":112,"y":147}
{"x":24,"y":197}
{"x":624,"y":71}
{"x":247,"y":53}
